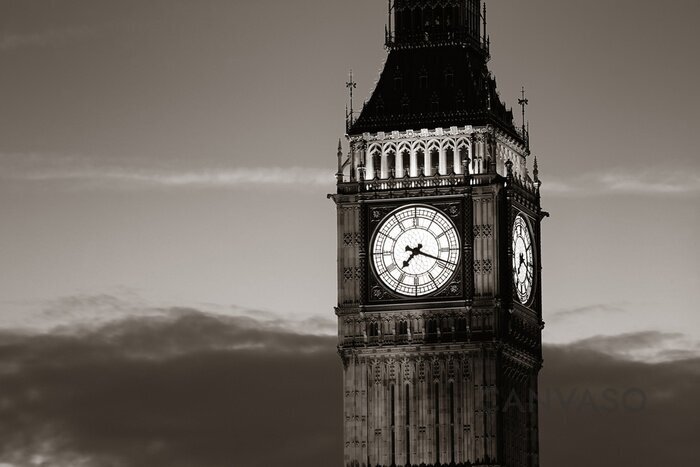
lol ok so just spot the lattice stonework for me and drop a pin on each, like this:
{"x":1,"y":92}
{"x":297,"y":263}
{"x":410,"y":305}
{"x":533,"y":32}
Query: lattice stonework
{"x":483,"y":231}
{"x":350,"y":239}
{"x":352,"y":273}
{"x":483,"y":266}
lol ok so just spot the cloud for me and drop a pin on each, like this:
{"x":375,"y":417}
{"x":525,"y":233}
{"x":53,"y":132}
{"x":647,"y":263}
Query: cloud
{"x":82,"y":172}
{"x":88,"y":311}
{"x":616,"y":182}
{"x":649,"y":346}
{"x":195,"y":389}
{"x":585,"y":311}
{"x":189,"y":389}
{"x":49,"y":38}
{"x":196,"y":179}
{"x":611,"y":411}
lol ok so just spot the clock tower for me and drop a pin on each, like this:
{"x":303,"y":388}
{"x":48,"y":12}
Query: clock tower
{"x":439,"y":291}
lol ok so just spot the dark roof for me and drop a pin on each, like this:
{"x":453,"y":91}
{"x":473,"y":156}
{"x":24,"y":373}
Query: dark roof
{"x":431,"y":87}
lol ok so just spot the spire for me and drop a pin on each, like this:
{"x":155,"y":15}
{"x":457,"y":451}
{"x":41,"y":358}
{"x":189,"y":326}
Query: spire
{"x":536,"y":175}
{"x":339,"y":174}
{"x":350,"y":117}
{"x":536,"y":171}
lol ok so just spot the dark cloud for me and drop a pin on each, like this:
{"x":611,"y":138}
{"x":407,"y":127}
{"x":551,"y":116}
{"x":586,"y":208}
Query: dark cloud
{"x":191,"y":389}
{"x":652,"y":345}
{"x":601,"y":410}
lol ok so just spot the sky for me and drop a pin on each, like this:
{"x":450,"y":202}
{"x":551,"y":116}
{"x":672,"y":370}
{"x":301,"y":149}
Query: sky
{"x":168,"y":157}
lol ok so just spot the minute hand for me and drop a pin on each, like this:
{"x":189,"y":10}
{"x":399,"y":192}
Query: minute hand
{"x":436,"y":258}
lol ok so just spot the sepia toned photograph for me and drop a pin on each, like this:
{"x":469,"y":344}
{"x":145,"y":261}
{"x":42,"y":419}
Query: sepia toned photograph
{"x":367,"y":233}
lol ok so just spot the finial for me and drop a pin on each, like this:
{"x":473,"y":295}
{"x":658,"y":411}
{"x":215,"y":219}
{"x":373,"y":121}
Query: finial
{"x":536,"y":171}
{"x":339,"y":174}
{"x":523,"y":101}
{"x":351,"y":85}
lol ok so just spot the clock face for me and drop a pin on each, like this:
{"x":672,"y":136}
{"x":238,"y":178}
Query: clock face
{"x":523,"y":265}
{"x":415,"y":251}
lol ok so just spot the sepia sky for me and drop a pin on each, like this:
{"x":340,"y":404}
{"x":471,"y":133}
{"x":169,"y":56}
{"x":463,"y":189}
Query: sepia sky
{"x":179,"y":153}
{"x":164,"y":158}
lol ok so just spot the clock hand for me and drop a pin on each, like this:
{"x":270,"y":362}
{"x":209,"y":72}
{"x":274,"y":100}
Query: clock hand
{"x":414,"y":252}
{"x":436,"y":258}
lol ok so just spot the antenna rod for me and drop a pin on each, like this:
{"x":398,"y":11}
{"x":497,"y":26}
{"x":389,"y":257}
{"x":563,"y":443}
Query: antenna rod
{"x":351,"y":85}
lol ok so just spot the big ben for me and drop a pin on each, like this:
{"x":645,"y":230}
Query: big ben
{"x":439,"y":255}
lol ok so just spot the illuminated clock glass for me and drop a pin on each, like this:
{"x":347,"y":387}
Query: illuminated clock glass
{"x":415,"y":251}
{"x":523,"y":265}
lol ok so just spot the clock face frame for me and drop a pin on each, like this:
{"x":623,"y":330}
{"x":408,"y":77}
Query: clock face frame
{"x":415,"y":251}
{"x":523,"y":263}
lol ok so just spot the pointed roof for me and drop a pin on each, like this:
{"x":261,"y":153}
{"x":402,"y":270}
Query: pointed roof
{"x":433,"y":87}
{"x":436,"y":74}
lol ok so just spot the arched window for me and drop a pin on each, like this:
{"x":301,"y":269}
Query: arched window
{"x":406,"y":162}
{"x":432,"y":326}
{"x":373,"y":329}
{"x":450,"y":162}
{"x":464,"y":155}
{"x":461,"y":327}
{"x":422,"y":163}
{"x":423,"y":79}
{"x":434,"y":161}
{"x":376,"y":164}
{"x":403,"y":328}
{"x":449,"y":77}
{"x":390,"y":165}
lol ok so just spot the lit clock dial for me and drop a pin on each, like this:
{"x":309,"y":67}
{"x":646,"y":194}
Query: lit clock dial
{"x":523,"y":264}
{"x":415,"y":251}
